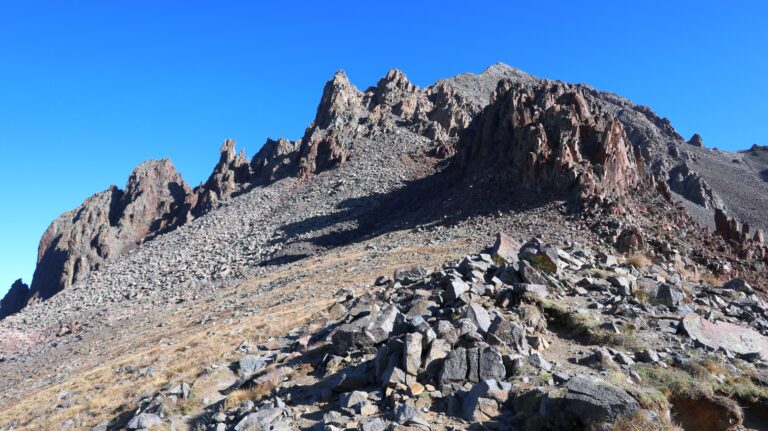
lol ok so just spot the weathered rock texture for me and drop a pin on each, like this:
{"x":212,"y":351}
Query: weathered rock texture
{"x":109,"y":224}
{"x":548,"y":137}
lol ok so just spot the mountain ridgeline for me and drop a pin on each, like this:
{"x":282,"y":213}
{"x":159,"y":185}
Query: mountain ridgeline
{"x":537,"y":135}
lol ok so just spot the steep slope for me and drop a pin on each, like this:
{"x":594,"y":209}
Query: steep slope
{"x":447,"y":113}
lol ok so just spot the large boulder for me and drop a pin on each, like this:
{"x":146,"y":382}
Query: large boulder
{"x":725,"y":335}
{"x":588,"y":402}
{"x":369,"y":330}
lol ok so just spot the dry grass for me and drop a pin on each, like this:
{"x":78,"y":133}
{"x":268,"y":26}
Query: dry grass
{"x":639,"y":261}
{"x":181,"y":349}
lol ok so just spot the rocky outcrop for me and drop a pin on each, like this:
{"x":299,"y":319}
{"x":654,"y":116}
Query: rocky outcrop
{"x":696,"y":140}
{"x":690,"y":185}
{"x":109,"y":224}
{"x":274,"y":161}
{"x":738,"y":236}
{"x":228,"y":176}
{"x":548,"y":137}
{"x":15,"y":299}
{"x":327,"y":140}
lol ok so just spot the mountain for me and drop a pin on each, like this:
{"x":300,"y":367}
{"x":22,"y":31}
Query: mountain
{"x":510,"y":217}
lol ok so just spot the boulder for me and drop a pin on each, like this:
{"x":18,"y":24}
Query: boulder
{"x":144,"y":420}
{"x":510,"y":333}
{"x":505,"y":249}
{"x":479,"y":316}
{"x":406,"y":276}
{"x":455,"y":289}
{"x":669,"y":295}
{"x":589,"y":402}
{"x":491,"y":364}
{"x":250,"y":364}
{"x":484,"y":400}
{"x":412,"y":353}
{"x":369,"y":330}
{"x":455,"y":367}
{"x":725,"y":335}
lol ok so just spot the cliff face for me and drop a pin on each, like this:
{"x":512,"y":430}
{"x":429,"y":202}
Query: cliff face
{"x":548,"y":137}
{"x":109,"y":224}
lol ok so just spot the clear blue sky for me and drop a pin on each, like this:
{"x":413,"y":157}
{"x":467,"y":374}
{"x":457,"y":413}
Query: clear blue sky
{"x":90,"y":89}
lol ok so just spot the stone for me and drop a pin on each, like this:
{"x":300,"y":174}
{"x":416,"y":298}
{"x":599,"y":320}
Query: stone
{"x":406,"y":276}
{"x":739,"y":285}
{"x":537,"y":360}
{"x":510,"y":333}
{"x":482,"y":402}
{"x":621,"y":284}
{"x":491,"y":364}
{"x":412,"y":353}
{"x":375,"y":424}
{"x":648,"y":356}
{"x":368,"y":330}
{"x":696,"y":140}
{"x":250,"y":364}
{"x":351,"y":399}
{"x":261,"y":419}
{"x":479,"y":316}
{"x":544,"y":257}
{"x":15,"y":299}
{"x":438,"y":349}
{"x":505,"y":249}
{"x":455,"y":366}
{"x":725,"y":335}
{"x":455,"y":289}
{"x":591,"y":401}
{"x":144,"y":420}
{"x":669,"y":295}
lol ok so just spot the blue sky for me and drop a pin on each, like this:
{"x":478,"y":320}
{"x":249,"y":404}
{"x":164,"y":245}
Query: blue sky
{"x":90,"y":89}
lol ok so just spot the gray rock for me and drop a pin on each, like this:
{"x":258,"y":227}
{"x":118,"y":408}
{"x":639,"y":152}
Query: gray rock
{"x":412,"y":353}
{"x":351,"y":399}
{"x":454,"y":367}
{"x":491,"y":365}
{"x":505,"y":249}
{"x":438,"y":350}
{"x":669,"y":295}
{"x":406,"y":276}
{"x":511,"y":333}
{"x":537,"y":360}
{"x":144,"y":420}
{"x":590,"y":401}
{"x":250,"y":364}
{"x":374,"y":424}
{"x":479,"y":316}
{"x":648,"y":356}
{"x":481,"y":403}
{"x":621,"y":284}
{"x":455,"y":289}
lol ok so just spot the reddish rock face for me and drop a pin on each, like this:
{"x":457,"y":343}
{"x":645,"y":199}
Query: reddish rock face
{"x":229,"y":175}
{"x":547,"y":137}
{"x":109,"y":224}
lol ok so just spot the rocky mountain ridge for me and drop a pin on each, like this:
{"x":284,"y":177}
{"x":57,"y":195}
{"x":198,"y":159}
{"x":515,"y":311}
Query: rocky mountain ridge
{"x":448,"y":112}
{"x":253,"y":302}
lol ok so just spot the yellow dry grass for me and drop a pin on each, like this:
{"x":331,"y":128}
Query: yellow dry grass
{"x":181,"y":349}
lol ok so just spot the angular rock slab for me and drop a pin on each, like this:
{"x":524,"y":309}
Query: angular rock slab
{"x":731,"y":337}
